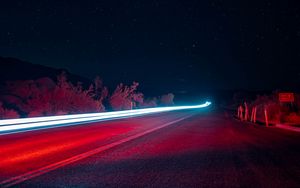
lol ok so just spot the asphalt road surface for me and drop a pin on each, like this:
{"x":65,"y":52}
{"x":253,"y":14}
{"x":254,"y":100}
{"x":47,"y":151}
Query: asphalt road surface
{"x":174,"y":149}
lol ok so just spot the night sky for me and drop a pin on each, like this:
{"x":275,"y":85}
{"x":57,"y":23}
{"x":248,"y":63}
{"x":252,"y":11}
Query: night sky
{"x":168,"y":46}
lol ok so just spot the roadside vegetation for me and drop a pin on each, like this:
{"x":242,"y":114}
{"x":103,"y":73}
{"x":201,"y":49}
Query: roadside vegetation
{"x":44,"y":97}
{"x":277,"y":112}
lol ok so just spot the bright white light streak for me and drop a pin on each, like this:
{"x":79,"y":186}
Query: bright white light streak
{"x":54,"y":118}
{"x":84,"y":118}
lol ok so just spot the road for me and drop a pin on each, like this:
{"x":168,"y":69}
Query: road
{"x":187,"y":148}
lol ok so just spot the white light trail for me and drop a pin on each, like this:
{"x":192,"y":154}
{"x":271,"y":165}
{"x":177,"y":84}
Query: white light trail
{"x":54,"y":118}
{"x":17,"y":125}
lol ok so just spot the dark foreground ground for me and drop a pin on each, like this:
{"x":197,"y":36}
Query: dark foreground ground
{"x":203,"y":150}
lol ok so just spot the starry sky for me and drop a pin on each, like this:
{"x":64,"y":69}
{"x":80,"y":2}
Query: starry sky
{"x":179,"y":46}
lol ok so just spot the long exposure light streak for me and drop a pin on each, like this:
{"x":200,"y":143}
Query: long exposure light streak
{"x":28,"y":124}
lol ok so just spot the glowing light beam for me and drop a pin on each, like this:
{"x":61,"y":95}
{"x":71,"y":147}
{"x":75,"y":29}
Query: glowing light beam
{"x":29,"y":124}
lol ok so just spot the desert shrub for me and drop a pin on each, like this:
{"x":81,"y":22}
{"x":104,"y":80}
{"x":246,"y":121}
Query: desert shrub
{"x":271,"y":104}
{"x":167,"y":99}
{"x":100,"y":91}
{"x":74,"y":99}
{"x":27,"y":95}
{"x":45,"y":97}
{"x":7,"y":113}
{"x":150,"y":102}
{"x":297,"y":101}
{"x":125,"y":97}
{"x":292,"y":118}
{"x":35,"y":113}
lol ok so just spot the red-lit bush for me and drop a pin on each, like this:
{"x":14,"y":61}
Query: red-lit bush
{"x":297,"y":101}
{"x":45,"y":97}
{"x":100,"y":91}
{"x":7,"y":113}
{"x":29,"y":95}
{"x":293,"y":118}
{"x":125,"y":97}
{"x":167,"y":99}
{"x":271,"y":104}
{"x":151,"y":102}
{"x":74,"y":99}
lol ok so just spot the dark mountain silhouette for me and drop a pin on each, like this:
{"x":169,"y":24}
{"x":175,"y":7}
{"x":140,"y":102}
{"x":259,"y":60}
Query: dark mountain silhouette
{"x":14,"y":69}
